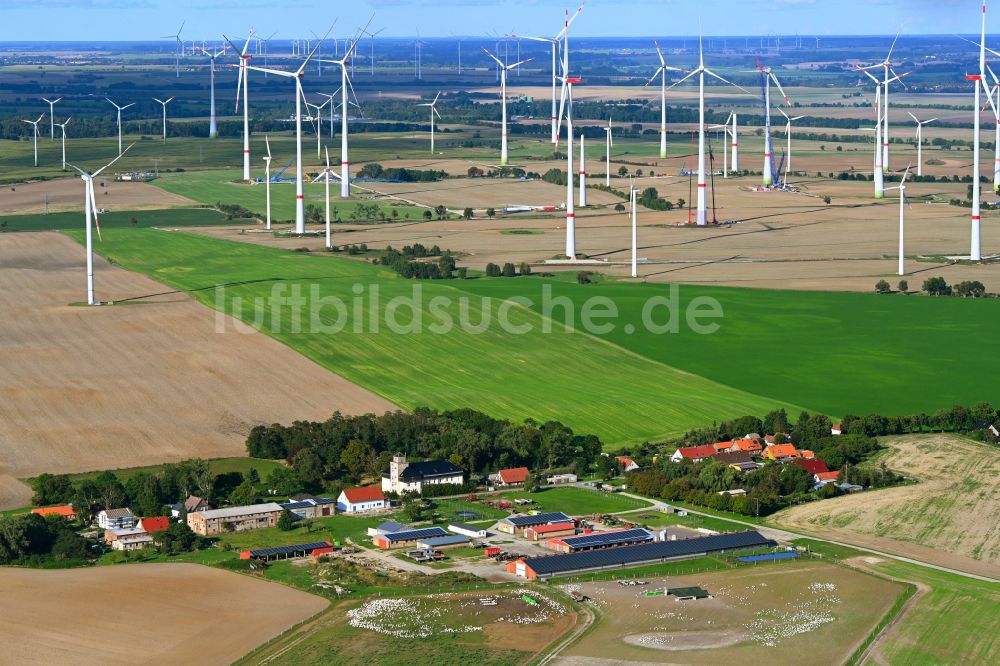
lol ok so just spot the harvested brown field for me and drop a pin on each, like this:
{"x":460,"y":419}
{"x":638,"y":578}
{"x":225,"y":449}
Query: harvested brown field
{"x":137,"y":383}
{"x":67,"y":193}
{"x":800,"y":612}
{"x":947,"y":518}
{"x":148,"y":613}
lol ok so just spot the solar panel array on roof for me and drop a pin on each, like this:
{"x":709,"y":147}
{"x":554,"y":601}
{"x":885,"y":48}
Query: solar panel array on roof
{"x":537,"y":519}
{"x":452,"y":540}
{"x":596,"y":539}
{"x":413,"y":535}
{"x":646,"y":552}
{"x":278,"y":550}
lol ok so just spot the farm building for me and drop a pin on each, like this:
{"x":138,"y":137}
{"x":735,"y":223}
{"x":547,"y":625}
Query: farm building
{"x":823,"y":478}
{"x":781,"y":452}
{"x":115,"y":519}
{"x":467,"y":530}
{"x":442,"y":542}
{"x":153,"y":524}
{"x":693,"y":453}
{"x":191,"y":504}
{"x":314,"y":507}
{"x":386,"y":527}
{"x":137,"y":543}
{"x":407,"y":477}
{"x":288,"y":552}
{"x":550,"y":531}
{"x":66,"y":511}
{"x":556,"y":479}
{"x":360,"y":500}
{"x":234,"y":519}
{"x":625,"y":556}
{"x":627,"y":463}
{"x":123,"y":534}
{"x":733,"y":458}
{"x":517,"y":524}
{"x":600,"y":540}
{"x":515,"y":476}
{"x":407,"y":537}
{"x":814,"y":466}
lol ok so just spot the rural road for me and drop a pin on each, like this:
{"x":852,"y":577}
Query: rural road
{"x":787,"y":535}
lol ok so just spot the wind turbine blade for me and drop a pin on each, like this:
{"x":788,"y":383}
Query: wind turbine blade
{"x":267,"y":143}
{"x":316,"y":48}
{"x":93,"y":206}
{"x":494,"y":57}
{"x":653,"y":77}
{"x":889,"y":57}
{"x":869,"y":75}
{"x":94,"y":175}
{"x":677,"y":83}
{"x":518,"y":64}
{"x":361,"y":34}
{"x":780,"y":89}
{"x":78,"y":169}
{"x":663,"y":63}
{"x":711,"y":73}
{"x":914,"y":118}
{"x":562,"y":108}
{"x":436,"y":98}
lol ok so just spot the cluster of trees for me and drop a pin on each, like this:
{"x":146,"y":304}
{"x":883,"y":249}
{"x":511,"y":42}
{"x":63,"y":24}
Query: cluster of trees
{"x":401,"y":174}
{"x":353,"y":448}
{"x":958,"y":418}
{"x":651,"y":199}
{"x":352,"y":250}
{"x":405,"y":262}
{"x":235,"y":211}
{"x":508,"y":270}
{"x":937,"y":286}
{"x":32,"y":539}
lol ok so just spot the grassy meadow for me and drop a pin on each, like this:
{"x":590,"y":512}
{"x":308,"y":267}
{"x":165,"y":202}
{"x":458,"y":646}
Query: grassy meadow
{"x":576,"y":378}
{"x":170,"y":217}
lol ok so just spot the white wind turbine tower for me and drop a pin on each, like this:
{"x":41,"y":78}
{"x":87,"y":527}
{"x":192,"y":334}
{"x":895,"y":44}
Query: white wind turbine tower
{"x":267,"y":182}
{"x":769,"y":76}
{"x":326,"y":175}
{"x":701,"y":71}
{"x":241,"y":82}
{"x":503,"y":103}
{"x":345,"y":86}
{"x":120,"y":109}
{"x":180,"y":47}
{"x":735,"y":135}
{"x":608,"y":145}
{"x":554,"y":41}
{"x":332,"y":107}
{"x":52,"y":116}
{"x":633,"y":193}
{"x":788,"y":136}
{"x":164,"y":104}
{"x":878,"y":174}
{"x":300,"y":216}
{"x":318,"y":119}
{"x":90,"y":206}
{"x":62,"y":125}
{"x":662,"y":73}
{"x":902,"y":203}
{"x":886,"y":65}
{"x":583,"y":173}
{"x":920,"y":143}
{"x":434,"y":112}
{"x":566,"y":108}
{"x":213,"y":128}
{"x":34,"y":133}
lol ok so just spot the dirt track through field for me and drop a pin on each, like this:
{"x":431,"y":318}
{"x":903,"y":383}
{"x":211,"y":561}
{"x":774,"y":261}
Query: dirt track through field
{"x":948,"y":517}
{"x":143,"y":613}
{"x":117,"y":386}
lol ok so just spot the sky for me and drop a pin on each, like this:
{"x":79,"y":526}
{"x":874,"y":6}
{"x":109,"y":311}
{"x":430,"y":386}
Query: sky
{"x":87,"y":20}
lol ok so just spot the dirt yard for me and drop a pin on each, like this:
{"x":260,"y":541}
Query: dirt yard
{"x":67,"y":194}
{"x":948,"y":518}
{"x":143,"y":613}
{"x":778,"y":613}
{"x":152,"y":381}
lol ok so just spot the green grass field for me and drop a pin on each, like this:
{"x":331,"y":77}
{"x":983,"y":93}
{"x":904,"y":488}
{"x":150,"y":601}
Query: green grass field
{"x":334,"y":528}
{"x":171,"y":217}
{"x":582,"y":381}
{"x":576,"y":501}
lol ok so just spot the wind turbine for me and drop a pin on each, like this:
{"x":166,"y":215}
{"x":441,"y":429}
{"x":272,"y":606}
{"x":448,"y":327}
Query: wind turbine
{"x":701,"y":71}
{"x":920,"y":142}
{"x":554,"y":41}
{"x":661,"y":71}
{"x":902,"y":202}
{"x":241,"y":80}
{"x":886,"y":65}
{"x":504,"y":68}
{"x":120,"y":109}
{"x":878,"y":174}
{"x":566,"y":108}
{"x":164,"y":103}
{"x":319,"y":120}
{"x":213,"y":129}
{"x":434,"y":112}
{"x":180,"y":47}
{"x":300,"y":216}
{"x":63,"y":126}
{"x":608,"y":144}
{"x":788,"y":135}
{"x":332,"y":106}
{"x":583,"y":173}
{"x":768,"y":74}
{"x":326,"y":175}
{"x":34,"y":133}
{"x":996,"y":140}
{"x":736,"y":143}
{"x":345,"y":86}
{"x":90,"y":206}
{"x":267,"y":181}
{"x":52,"y":117}
{"x":633,"y":193}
